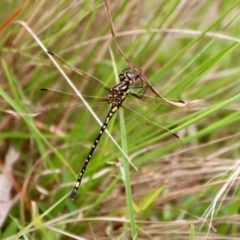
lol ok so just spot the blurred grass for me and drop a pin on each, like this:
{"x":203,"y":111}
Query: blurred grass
{"x":181,"y":65}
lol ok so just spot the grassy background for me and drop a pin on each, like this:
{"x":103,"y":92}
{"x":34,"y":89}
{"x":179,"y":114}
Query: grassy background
{"x":188,"y":50}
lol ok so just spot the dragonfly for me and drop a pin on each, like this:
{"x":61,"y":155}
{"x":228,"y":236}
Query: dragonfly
{"x":129,"y":95}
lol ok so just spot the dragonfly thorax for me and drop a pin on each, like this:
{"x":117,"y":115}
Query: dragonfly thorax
{"x":118,"y":94}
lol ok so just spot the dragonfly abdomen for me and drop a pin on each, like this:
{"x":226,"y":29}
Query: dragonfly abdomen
{"x":112,"y":111}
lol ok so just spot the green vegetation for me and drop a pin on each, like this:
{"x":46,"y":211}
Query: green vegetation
{"x":188,"y":50}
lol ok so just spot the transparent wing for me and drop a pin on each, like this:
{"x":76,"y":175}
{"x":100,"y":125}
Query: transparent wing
{"x":85,"y":83}
{"x":142,"y":133}
{"x":62,"y":102}
{"x":56,"y":106}
{"x":155,"y":109}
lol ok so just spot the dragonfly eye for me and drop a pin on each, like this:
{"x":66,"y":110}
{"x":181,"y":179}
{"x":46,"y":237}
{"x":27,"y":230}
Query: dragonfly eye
{"x":130,"y":75}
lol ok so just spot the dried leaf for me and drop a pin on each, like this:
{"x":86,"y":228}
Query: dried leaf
{"x":5,"y":184}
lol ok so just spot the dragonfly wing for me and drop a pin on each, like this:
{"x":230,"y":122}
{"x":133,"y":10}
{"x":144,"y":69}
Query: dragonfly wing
{"x":85,"y":83}
{"x":57,"y":105}
{"x":156,"y":109}
{"x":63,"y":102}
{"x":142,"y":133}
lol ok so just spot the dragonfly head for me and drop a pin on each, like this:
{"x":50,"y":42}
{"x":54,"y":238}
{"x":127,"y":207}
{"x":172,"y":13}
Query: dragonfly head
{"x":127,"y":76}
